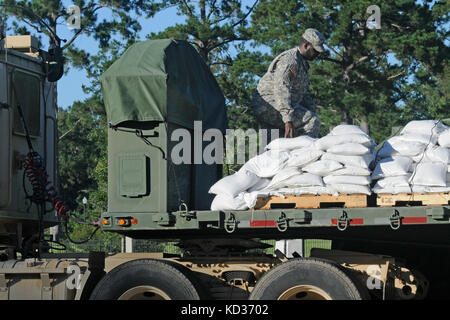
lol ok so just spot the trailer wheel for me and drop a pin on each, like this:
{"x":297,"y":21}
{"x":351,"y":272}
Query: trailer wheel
{"x":146,"y":279}
{"x":307,"y":279}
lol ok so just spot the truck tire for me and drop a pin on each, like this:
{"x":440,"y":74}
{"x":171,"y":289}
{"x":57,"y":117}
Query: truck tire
{"x":146,"y":279}
{"x":308,"y":279}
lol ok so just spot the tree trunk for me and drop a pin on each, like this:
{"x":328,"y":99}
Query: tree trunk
{"x":345,"y":118}
{"x":2,"y":27}
{"x":364,"y":126}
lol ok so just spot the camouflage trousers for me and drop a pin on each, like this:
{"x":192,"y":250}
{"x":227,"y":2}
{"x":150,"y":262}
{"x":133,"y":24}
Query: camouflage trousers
{"x":304,"y":121}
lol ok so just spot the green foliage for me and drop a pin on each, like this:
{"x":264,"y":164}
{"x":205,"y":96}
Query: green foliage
{"x":375,"y":78}
{"x":82,"y":143}
{"x":356,"y":81}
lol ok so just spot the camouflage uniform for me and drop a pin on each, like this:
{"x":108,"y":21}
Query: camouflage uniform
{"x":282,"y":95}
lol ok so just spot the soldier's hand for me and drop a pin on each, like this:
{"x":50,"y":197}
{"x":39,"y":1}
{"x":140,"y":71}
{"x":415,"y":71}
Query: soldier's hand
{"x":288,"y":130}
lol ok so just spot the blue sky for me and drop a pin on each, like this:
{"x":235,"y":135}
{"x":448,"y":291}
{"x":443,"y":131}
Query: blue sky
{"x":69,"y":86}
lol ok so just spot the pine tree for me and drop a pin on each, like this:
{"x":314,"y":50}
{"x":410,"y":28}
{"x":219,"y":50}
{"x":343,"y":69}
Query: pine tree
{"x":358,"y":81}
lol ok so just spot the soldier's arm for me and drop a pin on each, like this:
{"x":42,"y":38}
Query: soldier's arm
{"x":283,"y":80}
{"x":308,"y":102}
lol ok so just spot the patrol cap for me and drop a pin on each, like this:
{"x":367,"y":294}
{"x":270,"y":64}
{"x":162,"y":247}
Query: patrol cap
{"x":315,"y":38}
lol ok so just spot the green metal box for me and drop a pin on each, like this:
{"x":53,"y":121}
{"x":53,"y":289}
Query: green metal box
{"x":154,"y":89}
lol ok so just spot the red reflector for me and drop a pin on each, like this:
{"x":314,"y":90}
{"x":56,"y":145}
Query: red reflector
{"x":357,"y":221}
{"x":407,"y":220}
{"x":263,"y":223}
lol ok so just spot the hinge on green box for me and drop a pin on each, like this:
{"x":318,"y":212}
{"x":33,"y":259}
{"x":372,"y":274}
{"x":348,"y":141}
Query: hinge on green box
{"x":163,"y":219}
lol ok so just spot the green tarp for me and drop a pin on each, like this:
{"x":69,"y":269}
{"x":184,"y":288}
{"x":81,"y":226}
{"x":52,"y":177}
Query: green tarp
{"x":163,"y":80}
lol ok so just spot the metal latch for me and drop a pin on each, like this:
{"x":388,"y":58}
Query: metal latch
{"x":231,"y":223}
{"x":438,"y":213}
{"x":163,"y":219}
{"x":395,"y":221}
{"x":300,"y":216}
{"x":283,"y":222}
{"x":185,"y":213}
{"x":343,"y":221}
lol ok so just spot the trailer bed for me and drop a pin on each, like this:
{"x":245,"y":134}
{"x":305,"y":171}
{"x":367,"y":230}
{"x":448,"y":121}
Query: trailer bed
{"x":424,"y":225}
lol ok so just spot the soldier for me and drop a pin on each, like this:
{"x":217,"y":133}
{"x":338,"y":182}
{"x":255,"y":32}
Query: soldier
{"x":281,"y":99}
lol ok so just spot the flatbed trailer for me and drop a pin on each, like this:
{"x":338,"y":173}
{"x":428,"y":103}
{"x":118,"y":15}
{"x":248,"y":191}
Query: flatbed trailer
{"x":425,"y":225}
{"x":378,"y":252}
{"x":396,"y":253}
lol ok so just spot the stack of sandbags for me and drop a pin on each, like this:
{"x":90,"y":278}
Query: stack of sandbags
{"x":254,"y":175}
{"x":444,"y":142}
{"x":345,"y":164}
{"x":229,"y":191}
{"x":293,"y":179}
{"x":337,"y":163}
{"x":414,"y":161}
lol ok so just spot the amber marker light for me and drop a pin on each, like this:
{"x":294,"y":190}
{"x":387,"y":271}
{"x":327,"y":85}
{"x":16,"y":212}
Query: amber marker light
{"x":122,"y":222}
{"x":105,"y":221}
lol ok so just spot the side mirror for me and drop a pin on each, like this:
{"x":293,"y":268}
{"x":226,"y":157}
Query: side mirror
{"x":54,"y":63}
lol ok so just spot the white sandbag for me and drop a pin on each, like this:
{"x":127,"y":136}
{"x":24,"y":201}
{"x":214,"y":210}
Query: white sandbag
{"x":392,"y":166}
{"x":355,"y":161}
{"x":417,"y":137}
{"x":260,"y":185}
{"x":302,"y":157}
{"x":361,"y":180}
{"x":432,"y":174}
{"x":391,"y":190}
{"x":267,"y":164}
{"x":349,"y":149}
{"x":444,"y":139}
{"x":322,"y":167}
{"x":350,"y":188}
{"x":225,"y":202}
{"x":434,"y":154}
{"x":283,"y":175}
{"x":302,"y":180}
{"x":250,"y":198}
{"x":389,"y":182}
{"x":351,"y":171}
{"x":291,"y":143}
{"x":306,"y":190}
{"x":425,"y":127}
{"x":396,"y":145}
{"x":436,"y":189}
{"x":234,"y":184}
{"x":329,"y":141}
{"x":346,"y":129}
{"x":411,"y":190}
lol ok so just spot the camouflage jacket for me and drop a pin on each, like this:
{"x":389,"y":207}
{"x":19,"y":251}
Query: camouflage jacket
{"x":285,"y":85}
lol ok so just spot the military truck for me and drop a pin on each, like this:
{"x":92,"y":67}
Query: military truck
{"x":157,"y":87}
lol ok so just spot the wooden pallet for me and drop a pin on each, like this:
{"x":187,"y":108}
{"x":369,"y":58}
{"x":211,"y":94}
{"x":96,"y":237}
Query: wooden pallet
{"x":309,"y":201}
{"x":418,"y":199}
